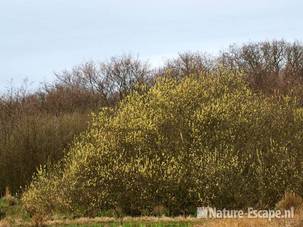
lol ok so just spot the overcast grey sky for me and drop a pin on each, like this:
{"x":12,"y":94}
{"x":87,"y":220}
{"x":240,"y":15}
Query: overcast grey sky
{"x":39,"y":37}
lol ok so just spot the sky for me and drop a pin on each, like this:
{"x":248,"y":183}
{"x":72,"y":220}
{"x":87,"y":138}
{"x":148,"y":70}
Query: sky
{"x":40,"y":37}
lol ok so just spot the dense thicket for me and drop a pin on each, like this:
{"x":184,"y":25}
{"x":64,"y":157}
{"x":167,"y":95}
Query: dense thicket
{"x":36,"y":128}
{"x":202,"y":140}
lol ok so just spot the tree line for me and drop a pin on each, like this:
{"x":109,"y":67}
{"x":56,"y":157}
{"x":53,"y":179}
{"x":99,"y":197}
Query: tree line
{"x":38,"y":128}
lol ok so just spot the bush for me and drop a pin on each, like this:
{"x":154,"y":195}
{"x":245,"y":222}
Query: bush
{"x":203,"y":140}
{"x":159,"y":211}
{"x":10,"y":209}
{"x":36,"y":127}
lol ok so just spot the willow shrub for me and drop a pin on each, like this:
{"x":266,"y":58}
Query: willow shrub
{"x":206,"y":140}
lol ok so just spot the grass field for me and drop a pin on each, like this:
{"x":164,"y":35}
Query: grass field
{"x":161,"y":222}
{"x":12,"y":214}
{"x":170,"y":222}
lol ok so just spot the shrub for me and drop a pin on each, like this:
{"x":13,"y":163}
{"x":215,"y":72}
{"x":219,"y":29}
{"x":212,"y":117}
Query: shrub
{"x":159,"y":211}
{"x":203,"y":140}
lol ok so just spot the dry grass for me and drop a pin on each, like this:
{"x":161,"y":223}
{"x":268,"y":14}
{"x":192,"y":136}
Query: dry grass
{"x":251,"y":223}
{"x":4,"y":223}
{"x":164,"y":221}
{"x":289,"y":200}
{"x":178,"y":221}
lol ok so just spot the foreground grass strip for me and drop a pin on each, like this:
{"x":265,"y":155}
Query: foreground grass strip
{"x":131,"y":225}
{"x":176,"y":222}
{"x":127,"y":221}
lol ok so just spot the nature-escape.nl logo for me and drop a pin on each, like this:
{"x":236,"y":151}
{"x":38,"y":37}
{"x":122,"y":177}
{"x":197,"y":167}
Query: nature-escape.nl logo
{"x":210,"y":212}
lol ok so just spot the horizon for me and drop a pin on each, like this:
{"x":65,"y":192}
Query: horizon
{"x":40,"y":38}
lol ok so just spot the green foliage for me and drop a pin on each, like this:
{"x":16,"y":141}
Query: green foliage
{"x":203,"y":140}
{"x":11,"y":210}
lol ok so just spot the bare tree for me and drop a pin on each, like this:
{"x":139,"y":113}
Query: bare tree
{"x":268,"y":65}
{"x":123,"y":73}
{"x":189,"y":64}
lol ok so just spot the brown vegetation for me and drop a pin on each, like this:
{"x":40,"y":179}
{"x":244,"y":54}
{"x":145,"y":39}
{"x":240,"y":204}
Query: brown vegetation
{"x":38,"y":128}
